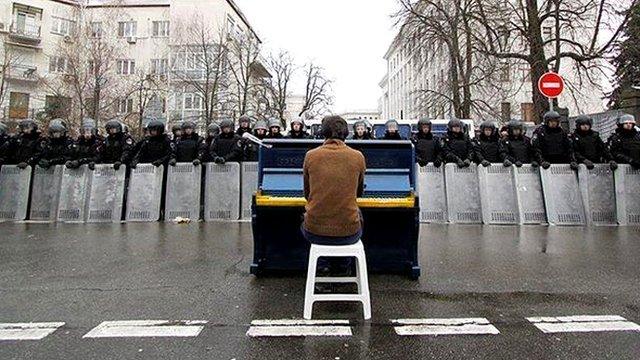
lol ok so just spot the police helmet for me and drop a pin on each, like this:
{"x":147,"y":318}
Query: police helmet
{"x":297,"y":121}
{"x":188,"y":125}
{"x":176,"y":127}
{"x":273,"y":122}
{"x":454,"y":123}
{"x":89,"y":124}
{"x":515,"y":124}
{"x":260,"y":124}
{"x":551,"y":116}
{"x":226,"y":123}
{"x":244,"y":119}
{"x":213,"y":129}
{"x":156,"y":125}
{"x":360,"y":123}
{"x":113,"y":124}
{"x":57,"y":126}
{"x":424,"y":121}
{"x":626,"y":119}
{"x":28,"y":124}
{"x":583,"y":120}
{"x":487,"y":125}
{"x":391,"y":122}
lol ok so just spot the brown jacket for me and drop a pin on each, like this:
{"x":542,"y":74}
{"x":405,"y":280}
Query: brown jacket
{"x":333,"y":179}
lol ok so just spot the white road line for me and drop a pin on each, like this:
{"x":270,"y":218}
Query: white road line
{"x":583,"y":323}
{"x":27,"y":331}
{"x":147,"y":328}
{"x":435,"y":327}
{"x":298,"y":328}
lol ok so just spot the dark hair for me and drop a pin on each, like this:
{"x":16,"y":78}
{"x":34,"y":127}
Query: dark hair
{"x":335,"y":127}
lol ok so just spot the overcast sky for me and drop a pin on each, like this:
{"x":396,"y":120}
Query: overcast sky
{"x":346,"y":37}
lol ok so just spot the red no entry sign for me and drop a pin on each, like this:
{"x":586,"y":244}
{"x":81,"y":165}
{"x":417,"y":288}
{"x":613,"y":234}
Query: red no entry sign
{"x":551,"y":85}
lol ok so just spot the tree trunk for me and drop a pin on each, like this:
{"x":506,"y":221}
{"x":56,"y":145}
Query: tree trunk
{"x":537,"y":59}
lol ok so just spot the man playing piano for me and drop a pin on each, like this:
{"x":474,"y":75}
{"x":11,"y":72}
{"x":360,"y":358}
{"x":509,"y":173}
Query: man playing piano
{"x":333,"y":178}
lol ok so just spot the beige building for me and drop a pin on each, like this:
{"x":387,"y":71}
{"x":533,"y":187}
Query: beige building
{"x":168,"y":59}
{"x":370,"y":115}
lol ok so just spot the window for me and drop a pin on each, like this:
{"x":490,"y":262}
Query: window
{"x":27,"y":24}
{"x":96,"y":30}
{"x":505,"y":72}
{"x":546,"y":32}
{"x":188,"y":60}
{"x":160,"y":28}
{"x":192,"y":102}
{"x":62,"y":26}
{"x":125,"y":106}
{"x":126,"y":67}
{"x":159,"y":66}
{"x":58,"y":64}
{"x":127,"y":28}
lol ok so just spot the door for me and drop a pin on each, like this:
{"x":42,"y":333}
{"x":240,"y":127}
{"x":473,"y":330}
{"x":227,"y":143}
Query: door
{"x":18,"y":105}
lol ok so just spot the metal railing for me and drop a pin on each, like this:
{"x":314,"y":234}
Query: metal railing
{"x":31,"y":32}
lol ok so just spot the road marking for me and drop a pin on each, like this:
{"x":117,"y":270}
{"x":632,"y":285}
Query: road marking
{"x":435,"y":327}
{"x":27,"y":331}
{"x":147,"y":328}
{"x":583,"y":323}
{"x":298,"y":328}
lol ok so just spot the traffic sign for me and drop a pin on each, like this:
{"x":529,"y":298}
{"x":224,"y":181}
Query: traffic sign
{"x":551,"y":85}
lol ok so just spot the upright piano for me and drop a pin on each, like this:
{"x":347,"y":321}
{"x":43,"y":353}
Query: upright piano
{"x":389,"y":206}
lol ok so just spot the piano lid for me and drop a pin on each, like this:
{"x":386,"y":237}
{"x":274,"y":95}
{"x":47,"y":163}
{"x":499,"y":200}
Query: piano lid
{"x":390,"y":167}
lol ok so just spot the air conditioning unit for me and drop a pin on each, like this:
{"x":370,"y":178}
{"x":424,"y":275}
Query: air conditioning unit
{"x":67,"y":38}
{"x":131,"y":39}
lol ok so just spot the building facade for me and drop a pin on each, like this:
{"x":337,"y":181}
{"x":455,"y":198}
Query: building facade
{"x":133,"y":59}
{"x":369,"y":115}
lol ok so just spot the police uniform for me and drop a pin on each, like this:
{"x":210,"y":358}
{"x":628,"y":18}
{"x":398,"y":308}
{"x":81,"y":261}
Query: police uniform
{"x":457,"y":147}
{"x":553,"y":145}
{"x":56,"y":150}
{"x":488,"y":149}
{"x":157,"y":149}
{"x":117,"y":148}
{"x":188,"y":146}
{"x":625,"y":144}
{"x":24,"y":149}
{"x":588,"y":147}
{"x":517,"y":148}
{"x":226,"y":146}
{"x":428,"y":147}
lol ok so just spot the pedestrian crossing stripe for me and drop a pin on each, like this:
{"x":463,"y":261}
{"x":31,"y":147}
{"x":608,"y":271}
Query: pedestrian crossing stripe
{"x":299,"y":328}
{"x":147,"y":328}
{"x":582,"y":323}
{"x":436,"y":327}
{"x":27,"y":331}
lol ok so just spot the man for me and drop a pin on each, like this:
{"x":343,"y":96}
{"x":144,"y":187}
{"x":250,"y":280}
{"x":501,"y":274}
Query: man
{"x":428,"y":147}
{"x":457,"y":147}
{"x":188,"y":145}
{"x":297,"y":130}
{"x":588,"y":147}
{"x":213,"y":130}
{"x":87,"y":146}
{"x":625,"y":142}
{"x":58,"y":148}
{"x":227,"y":146}
{"x":552,"y":143}
{"x":517,"y":147}
{"x":392,"y":131}
{"x":333,"y":176}
{"x":176,"y":131}
{"x":487,"y":147}
{"x":117,"y":147}
{"x":244,"y":125}
{"x":157,"y":149}
{"x":360,"y":131}
{"x":5,"y":141}
{"x":24,"y":148}
{"x":252,"y":149}
{"x":274,"y":129}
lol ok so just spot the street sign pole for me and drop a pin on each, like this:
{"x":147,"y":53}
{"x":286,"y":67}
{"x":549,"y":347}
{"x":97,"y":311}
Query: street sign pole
{"x":551,"y":85}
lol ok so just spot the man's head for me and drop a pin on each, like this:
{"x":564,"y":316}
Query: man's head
{"x":335,"y":127}
{"x":583,"y":123}
{"x":274,"y":126}
{"x":226,"y":126}
{"x":515,"y":128}
{"x":260,"y":129}
{"x":187,"y":128}
{"x":552,"y":119}
{"x":488,"y":128}
{"x":113,"y":127}
{"x":455,"y":126}
{"x":360,"y":128}
{"x":176,"y":130}
{"x":244,"y":121}
{"x":88,"y":128}
{"x":297,"y":125}
{"x":391,"y":126}
{"x":213,"y":130}
{"x":627,"y":122}
{"x":57,"y":128}
{"x":424,"y":125}
{"x":155,"y":128}
{"x":27,"y":126}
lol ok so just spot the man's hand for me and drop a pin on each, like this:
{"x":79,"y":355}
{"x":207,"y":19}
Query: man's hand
{"x":518,"y":163}
{"x":437,"y":163}
{"x":485,"y":163}
{"x":534,"y":164}
{"x":157,"y":163}
{"x":91,"y":166}
{"x":507,"y":163}
{"x":44,"y":164}
{"x":467,"y":163}
{"x":613,"y":165}
{"x":460,"y":164}
{"x":134,"y":164}
{"x":573,"y":165}
{"x":219,"y":160}
{"x":116,"y":165}
{"x":589,"y":164}
{"x":22,"y":165}
{"x":173,"y":162}
{"x":196,"y":162}
{"x":545,"y":165}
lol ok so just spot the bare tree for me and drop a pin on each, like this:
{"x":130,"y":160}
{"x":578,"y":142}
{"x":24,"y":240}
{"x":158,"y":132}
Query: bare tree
{"x":11,"y":61}
{"x":276,"y":88}
{"x":144,"y":88}
{"x":317,"y":96}
{"x":246,"y":69}
{"x":546,"y":33}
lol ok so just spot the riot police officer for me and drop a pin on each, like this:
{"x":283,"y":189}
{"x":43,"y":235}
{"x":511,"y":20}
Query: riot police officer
{"x":244,"y":125}
{"x":392,"y":131}
{"x":58,"y":148}
{"x":298,"y":130}
{"x":361,"y":132}
{"x":428,"y":147}
{"x":117,"y":147}
{"x":588,"y":147}
{"x":4,"y":143}
{"x":227,"y":146}
{"x":188,"y":145}
{"x":251,"y":149}
{"x":87,"y":146}
{"x":158,"y":149}
{"x":517,"y":146}
{"x":176,"y":131}
{"x":624,"y":144}
{"x":24,"y":149}
{"x":457,"y":147}
{"x":213,"y":130}
{"x":552,"y":143}
{"x":487,"y":146}
{"x":275,"y":129}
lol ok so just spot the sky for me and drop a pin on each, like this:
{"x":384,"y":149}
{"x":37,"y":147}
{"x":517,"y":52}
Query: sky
{"x":348,"y":38}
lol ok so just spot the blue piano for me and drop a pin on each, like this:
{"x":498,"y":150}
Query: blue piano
{"x":389,"y":206}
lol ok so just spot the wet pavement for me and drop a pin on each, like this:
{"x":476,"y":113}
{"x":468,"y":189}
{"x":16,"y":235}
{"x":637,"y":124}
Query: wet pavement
{"x":83,"y":275}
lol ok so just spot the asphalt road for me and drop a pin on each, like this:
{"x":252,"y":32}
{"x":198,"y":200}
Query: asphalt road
{"x":83,"y":275}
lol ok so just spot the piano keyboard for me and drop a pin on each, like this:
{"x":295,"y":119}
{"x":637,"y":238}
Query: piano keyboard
{"x":405,"y":202}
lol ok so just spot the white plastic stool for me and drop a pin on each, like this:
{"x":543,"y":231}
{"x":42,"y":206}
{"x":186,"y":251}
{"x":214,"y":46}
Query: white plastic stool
{"x":356,"y":250}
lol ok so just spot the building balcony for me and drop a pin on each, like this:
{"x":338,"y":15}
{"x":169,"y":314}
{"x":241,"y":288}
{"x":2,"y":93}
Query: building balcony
{"x":24,"y":73}
{"x":29,"y":34}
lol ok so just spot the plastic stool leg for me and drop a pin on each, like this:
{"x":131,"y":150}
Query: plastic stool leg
{"x":364,"y":278}
{"x":310,"y":288}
